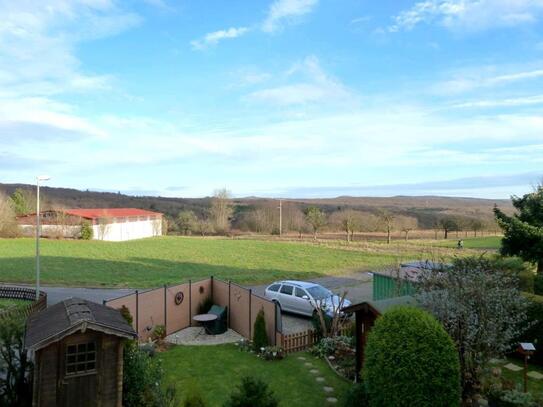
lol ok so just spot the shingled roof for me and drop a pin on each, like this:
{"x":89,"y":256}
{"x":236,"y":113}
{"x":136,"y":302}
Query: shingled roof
{"x":72,"y":315}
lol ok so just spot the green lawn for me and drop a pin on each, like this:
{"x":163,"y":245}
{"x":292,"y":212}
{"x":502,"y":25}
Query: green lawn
{"x":165,"y":260}
{"x":534,"y":386}
{"x":478,"y":243}
{"x":6,"y":303}
{"x":218,"y":369}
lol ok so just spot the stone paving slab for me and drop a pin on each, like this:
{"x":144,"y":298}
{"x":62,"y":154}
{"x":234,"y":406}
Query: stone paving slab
{"x":328,"y":389}
{"x":535,"y":375}
{"x":513,"y":367}
{"x":320,"y":379}
{"x":332,"y":400}
{"x":196,"y":336}
{"x":314,"y":371}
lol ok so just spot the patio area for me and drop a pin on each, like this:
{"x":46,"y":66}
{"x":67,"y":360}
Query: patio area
{"x":196,"y":335}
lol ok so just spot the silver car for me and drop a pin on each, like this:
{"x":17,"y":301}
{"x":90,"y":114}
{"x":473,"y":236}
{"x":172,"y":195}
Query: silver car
{"x":303,"y":298}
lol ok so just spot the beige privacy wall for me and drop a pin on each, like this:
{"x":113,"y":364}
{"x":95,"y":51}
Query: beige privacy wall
{"x":174,"y":307}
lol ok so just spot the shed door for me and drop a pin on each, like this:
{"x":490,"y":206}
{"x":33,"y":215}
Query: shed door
{"x":78,"y":384}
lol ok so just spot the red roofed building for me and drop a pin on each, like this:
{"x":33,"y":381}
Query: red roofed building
{"x":115,"y":224}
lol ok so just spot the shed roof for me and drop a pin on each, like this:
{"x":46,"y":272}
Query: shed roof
{"x":96,"y":213}
{"x":72,"y":315}
{"x":381,"y":306}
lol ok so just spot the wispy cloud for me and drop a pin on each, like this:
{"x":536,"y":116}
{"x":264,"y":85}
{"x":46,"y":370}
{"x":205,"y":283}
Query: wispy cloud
{"x":313,"y":85}
{"x":483,"y":77}
{"x":213,"y":38}
{"x":509,"y":102}
{"x":286,"y":11}
{"x":468,"y":15}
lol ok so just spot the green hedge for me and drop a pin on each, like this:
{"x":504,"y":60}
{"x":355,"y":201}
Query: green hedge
{"x":411,"y":361}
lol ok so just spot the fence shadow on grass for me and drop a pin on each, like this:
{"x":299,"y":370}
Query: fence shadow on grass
{"x":141,"y":272}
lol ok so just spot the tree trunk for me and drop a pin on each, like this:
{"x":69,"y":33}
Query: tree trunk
{"x":388,"y":235}
{"x":446,"y":234}
{"x":540,"y":267}
{"x":406,"y":235}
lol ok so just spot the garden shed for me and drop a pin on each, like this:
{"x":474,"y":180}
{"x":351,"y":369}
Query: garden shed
{"x":77,"y":346}
{"x":365,"y":315}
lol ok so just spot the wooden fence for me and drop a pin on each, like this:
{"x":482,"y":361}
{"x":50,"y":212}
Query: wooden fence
{"x":25,"y":294}
{"x":300,"y":341}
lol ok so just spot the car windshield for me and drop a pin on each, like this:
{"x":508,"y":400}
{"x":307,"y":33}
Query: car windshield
{"x":319,"y":293}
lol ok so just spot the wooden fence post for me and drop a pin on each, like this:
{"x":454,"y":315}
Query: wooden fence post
{"x":137,"y":312}
{"x":165,"y":309}
{"x":250,"y":298}
{"x":190,"y":303}
{"x":229,"y":308}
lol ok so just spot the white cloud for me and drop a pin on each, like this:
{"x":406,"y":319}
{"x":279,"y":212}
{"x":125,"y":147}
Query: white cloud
{"x":471,"y":15}
{"x":285,"y":11}
{"x":311,"y":85}
{"x":509,"y":102}
{"x":214,"y":37}
{"x":483,"y":77}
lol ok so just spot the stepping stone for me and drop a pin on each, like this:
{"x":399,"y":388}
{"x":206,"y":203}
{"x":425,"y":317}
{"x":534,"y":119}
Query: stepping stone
{"x":331,"y":357}
{"x":535,"y":375}
{"x":328,"y":389}
{"x":496,"y":361}
{"x":308,"y":364}
{"x":332,"y":400}
{"x":301,"y":358}
{"x":314,"y":371}
{"x":513,"y":367}
{"x":320,"y":379}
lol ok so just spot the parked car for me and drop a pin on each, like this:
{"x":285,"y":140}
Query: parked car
{"x":303,"y":298}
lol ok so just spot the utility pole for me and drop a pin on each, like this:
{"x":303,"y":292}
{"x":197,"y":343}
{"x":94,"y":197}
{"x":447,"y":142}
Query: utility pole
{"x":280,"y":217}
{"x":38,"y":179}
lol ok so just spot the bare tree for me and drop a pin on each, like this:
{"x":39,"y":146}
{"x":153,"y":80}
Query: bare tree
{"x":221,"y":211}
{"x":347,"y":220}
{"x":204,"y":226}
{"x":316,"y":218}
{"x":331,"y":320}
{"x":406,"y":224}
{"x":8,"y":222}
{"x":294,"y":219}
{"x":387,"y":222}
{"x":186,"y":221}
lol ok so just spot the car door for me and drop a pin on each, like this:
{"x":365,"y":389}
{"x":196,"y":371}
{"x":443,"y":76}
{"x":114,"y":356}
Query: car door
{"x":286,"y":298}
{"x":303,"y":305}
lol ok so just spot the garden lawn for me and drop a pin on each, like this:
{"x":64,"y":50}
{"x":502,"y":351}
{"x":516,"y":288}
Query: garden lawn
{"x":167,"y":260}
{"x":534,"y":386}
{"x":478,"y":243}
{"x":217,"y":370}
{"x":6,"y":303}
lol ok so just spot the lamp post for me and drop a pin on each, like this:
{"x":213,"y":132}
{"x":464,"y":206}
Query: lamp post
{"x":38,"y":179}
{"x":526,"y":349}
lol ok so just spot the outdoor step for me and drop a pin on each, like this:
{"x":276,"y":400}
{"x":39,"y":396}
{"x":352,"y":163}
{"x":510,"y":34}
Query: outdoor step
{"x":513,"y":367}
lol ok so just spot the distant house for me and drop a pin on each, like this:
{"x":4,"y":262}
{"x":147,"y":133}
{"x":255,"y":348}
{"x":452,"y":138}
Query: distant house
{"x":115,"y":224}
{"x":77,"y":347}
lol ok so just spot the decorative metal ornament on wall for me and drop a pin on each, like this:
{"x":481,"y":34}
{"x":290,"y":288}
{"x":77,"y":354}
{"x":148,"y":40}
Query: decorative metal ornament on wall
{"x":179,"y":296}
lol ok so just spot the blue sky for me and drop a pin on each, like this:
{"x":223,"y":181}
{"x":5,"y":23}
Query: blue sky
{"x":292,"y":98}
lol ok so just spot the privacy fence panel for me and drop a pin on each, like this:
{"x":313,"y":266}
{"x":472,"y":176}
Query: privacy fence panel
{"x":177,"y":308}
{"x":258,"y":303}
{"x":220,"y":293}
{"x":150,"y":311}
{"x":240,"y":310}
{"x":129,"y":301}
{"x":199,"y":292}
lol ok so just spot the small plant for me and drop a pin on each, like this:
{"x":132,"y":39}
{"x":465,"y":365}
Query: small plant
{"x":330,"y":345}
{"x":159,"y":333}
{"x":125,"y":313}
{"x":272,"y":353}
{"x":245,"y":345}
{"x":260,"y":337}
{"x":86,"y":231}
{"x":252,"y":392}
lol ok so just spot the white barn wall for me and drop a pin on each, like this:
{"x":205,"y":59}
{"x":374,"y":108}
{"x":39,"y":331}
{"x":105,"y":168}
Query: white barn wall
{"x":127,"y":230}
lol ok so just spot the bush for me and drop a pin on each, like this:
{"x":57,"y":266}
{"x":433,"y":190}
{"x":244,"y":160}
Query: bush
{"x":252,"y":392}
{"x":410,"y":360}
{"x":86,"y":231}
{"x":125,"y":313}
{"x":328,"y":346}
{"x":538,"y":284}
{"x":355,"y":396}
{"x":535,"y":331}
{"x":142,"y":377}
{"x":526,"y":281}
{"x":159,"y":333}
{"x":260,"y":336}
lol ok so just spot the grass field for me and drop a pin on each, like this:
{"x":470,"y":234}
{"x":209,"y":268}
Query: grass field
{"x":218,"y":369}
{"x":152,"y":262}
{"x":166,"y":260}
{"x":6,"y":303}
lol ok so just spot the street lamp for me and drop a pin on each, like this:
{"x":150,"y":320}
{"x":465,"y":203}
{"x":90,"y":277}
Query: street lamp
{"x":38,"y":179}
{"x":526,"y":349}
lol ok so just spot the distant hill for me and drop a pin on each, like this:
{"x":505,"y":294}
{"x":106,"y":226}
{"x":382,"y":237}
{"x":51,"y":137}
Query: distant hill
{"x":425,"y":208}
